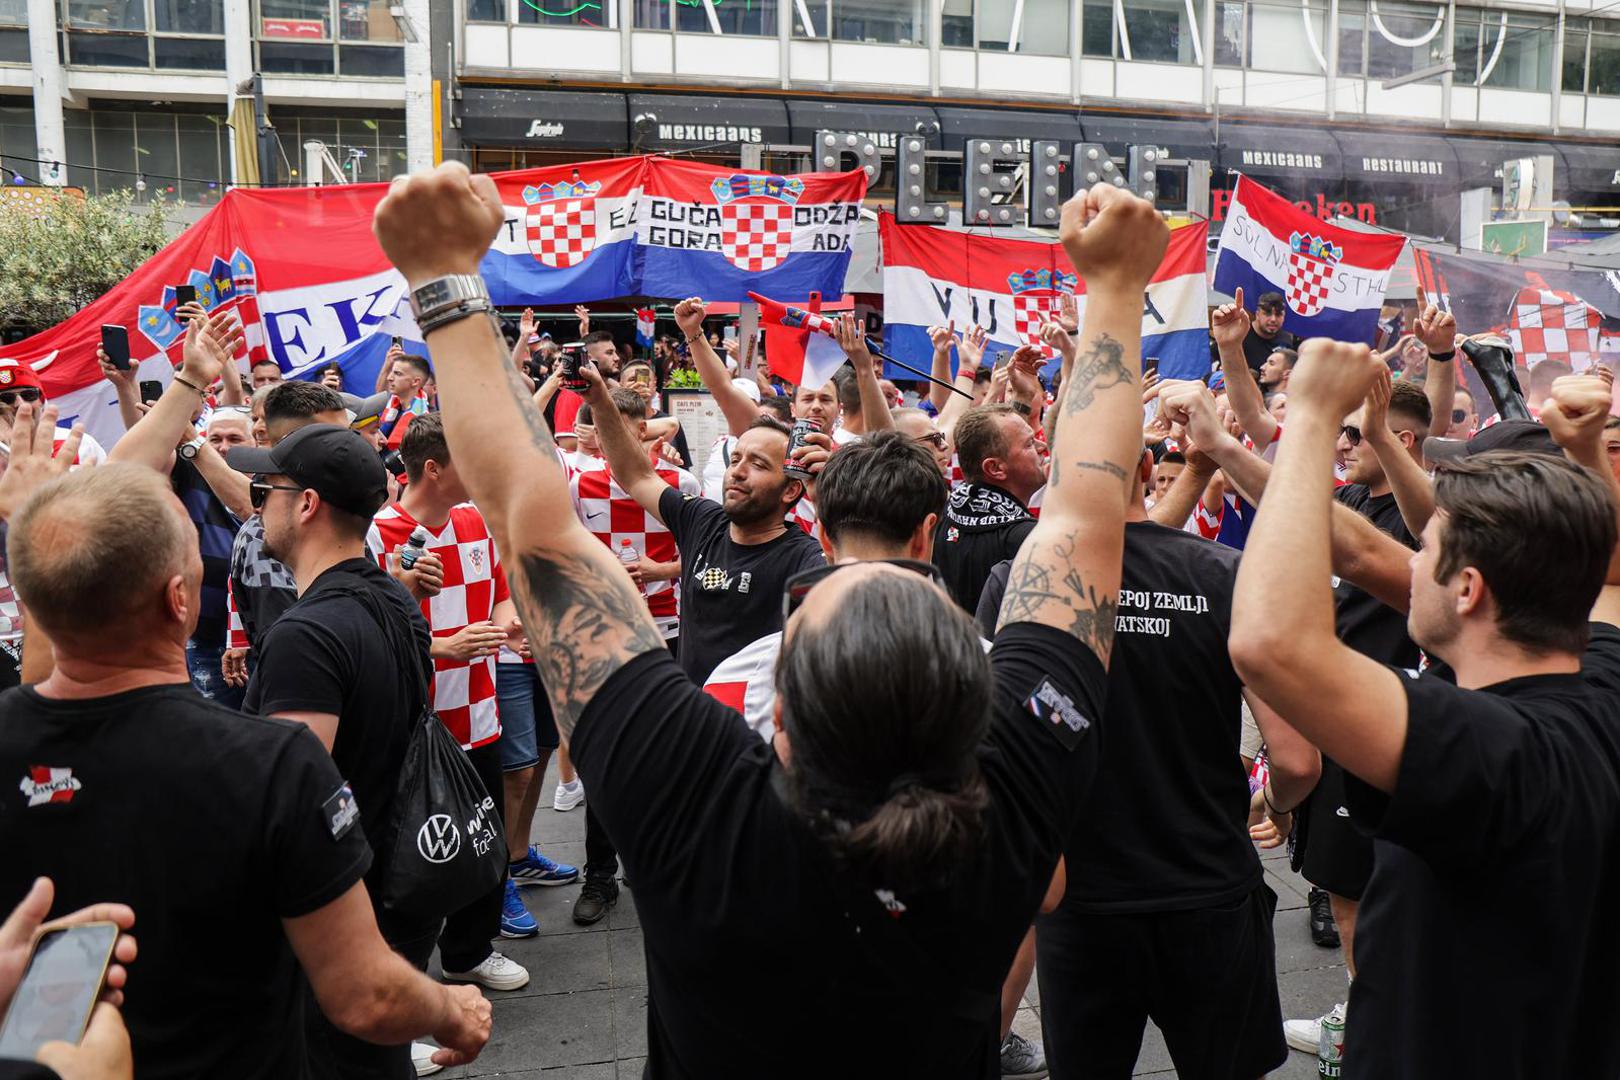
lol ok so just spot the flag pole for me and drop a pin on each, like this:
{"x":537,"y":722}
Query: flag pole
{"x":873,"y":347}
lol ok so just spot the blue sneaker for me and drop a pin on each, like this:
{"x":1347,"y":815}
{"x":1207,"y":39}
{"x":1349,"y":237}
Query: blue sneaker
{"x":516,"y":922}
{"x":535,"y":869}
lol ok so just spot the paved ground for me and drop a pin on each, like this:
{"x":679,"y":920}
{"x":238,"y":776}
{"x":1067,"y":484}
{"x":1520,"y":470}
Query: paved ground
{"x":583,"y":1014}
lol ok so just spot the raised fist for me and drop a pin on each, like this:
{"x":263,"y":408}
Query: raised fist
{"x":438,"y":222}
{"x":1114,"y":239}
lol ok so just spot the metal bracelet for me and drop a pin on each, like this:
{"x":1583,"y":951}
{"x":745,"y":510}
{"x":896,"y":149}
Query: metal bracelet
{"x":430,"y":321}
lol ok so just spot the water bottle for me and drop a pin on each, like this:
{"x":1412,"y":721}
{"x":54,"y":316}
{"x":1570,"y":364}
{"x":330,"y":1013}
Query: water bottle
{"x":628,"y":556}
{"x":414,"y":548}
{"x":1330,"y":1044}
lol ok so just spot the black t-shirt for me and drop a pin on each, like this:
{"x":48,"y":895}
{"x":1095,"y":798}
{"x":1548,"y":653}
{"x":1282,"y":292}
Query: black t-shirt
{"x":731,"y":593}
{"x":216,"y":532}
{"x":329,"y":654}
{"x":1257,"y":348}
{"x":1487,"y":938}
{"x":1365,"y":623}
{"x":981,"y":526}
{"x":1166,"y":828}
{"x":213,"y":826}
{"x":733,"y":891}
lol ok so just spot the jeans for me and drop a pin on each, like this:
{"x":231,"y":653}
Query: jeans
{"x":202,"y":662}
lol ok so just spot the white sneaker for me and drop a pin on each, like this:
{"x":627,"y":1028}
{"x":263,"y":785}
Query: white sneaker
{"x":1306,"y":1035}
{"x":495,"y":973}
{"x":422,"y":1058}
{"x":568,"y":796}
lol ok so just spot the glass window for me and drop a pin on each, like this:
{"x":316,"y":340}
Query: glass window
{"x":1574,"y":77}
{"x":956,"y":24}
{"x":1158,"y":30}
{"x":367,"y":20}
{"x":157,"y":152}
{"x":116,"y":160}
{"x":1287,"y":37}
{"x":486,"y":11}
{"x":289,"y":58}
{"x":1403,"y":38}
{"x":372,"y":61}
{"x":1097,"y":28}
{"x":189,"y":16}
{"x":14,"y":47}
{"x":107,"y":14}
{"x":564,"y":12}
{"x":654,"y":15}
{"x":189,"y":54}
{"x":295,"y":20}
{"x":201,"y":155}
{"x":1352,"y":37}
{"x":390,"y":149}
{"x":1603,"y":73}
{"x":747,"y":17}
{"x":14,"y":12}
{"x":1465,"y":46}
{"x":81,"y":149}
{"x":1229,"y":33}
{"x":109,"y":50}
{"x":1526,"y":59}
{"x":1043,"y":27}
{"x":890,"y":22}
{"x":18,"y":147}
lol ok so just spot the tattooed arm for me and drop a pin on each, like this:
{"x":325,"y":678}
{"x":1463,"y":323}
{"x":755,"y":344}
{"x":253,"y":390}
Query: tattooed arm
{"x":1067,"y":573}
{"x":582,"y":614}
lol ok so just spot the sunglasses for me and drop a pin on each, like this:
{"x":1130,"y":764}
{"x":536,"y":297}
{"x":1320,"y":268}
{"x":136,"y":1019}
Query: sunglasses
{"x":936,"y":439}
{"x":1459,"y":415}
{"x":799,"y":585}
{"x":260,"y":489}
{"x":1351,"y":433}
{"x":26,"y":393}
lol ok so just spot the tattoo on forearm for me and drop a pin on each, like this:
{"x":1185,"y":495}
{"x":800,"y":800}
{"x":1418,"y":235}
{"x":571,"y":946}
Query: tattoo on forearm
{"x":523,"y":397}
{"x":1099,"y":367}
{"x":1045,"y":587}
{"x":583,"y":625}
{"x":1108,"y":467}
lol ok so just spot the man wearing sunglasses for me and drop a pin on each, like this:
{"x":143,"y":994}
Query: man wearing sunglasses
{"x":19,"y":382}
{"x":872,"y":879}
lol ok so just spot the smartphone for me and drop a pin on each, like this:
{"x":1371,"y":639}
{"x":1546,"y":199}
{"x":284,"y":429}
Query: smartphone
{"x":151,"y":390}
{"x":730,"y":333}
{"x":399,"y":342}
{"x":59,"y":988}
{"x":115,"y":343}
{"x":1150,"y":364}
{"x":185,"y":294}
{"x":1002,"y":358}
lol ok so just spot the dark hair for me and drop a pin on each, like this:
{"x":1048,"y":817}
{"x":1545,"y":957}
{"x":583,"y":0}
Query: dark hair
{"x":781,"y":407}
{"x":299,"y":400}
{"x":849,"y":390}
{"x":596,"y":337}
{"x":772,"y":423}
{"x":888,"y":778}
{"x":1290,"y":356}
{"x":420,"y":363}
{"x":1173,"y":457}
{"x":1270,"y":301}
{"x":584,"y":415}
{"x":423,"y":441}
{"x":629,"y":404}
{"x":262,"y":363}
{"x":1408,"y":400}
{"x":884,"y":486}
{"x":979,"y":436}
{"x":982,"y":376}
{"x":1539,"y":529}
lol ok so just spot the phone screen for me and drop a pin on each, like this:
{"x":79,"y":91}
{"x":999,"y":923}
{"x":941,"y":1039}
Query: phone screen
{"x":185,"y":294}
{"x":115,"y":343}
{"x":1150,"y":364}
{"x":58,"y":990}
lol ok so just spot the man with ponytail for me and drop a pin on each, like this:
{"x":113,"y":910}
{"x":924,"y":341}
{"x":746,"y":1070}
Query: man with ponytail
{"x":867,"y":877}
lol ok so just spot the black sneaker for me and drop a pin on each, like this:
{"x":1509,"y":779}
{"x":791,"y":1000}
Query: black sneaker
{"x":1323,"y":929}
{"x":595,"y":898}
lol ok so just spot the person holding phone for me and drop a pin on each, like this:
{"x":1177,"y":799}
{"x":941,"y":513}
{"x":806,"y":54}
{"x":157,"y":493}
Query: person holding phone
{"x":19,"y":382}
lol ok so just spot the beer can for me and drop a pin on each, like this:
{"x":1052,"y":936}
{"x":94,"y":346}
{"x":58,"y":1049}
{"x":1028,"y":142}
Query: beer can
{"x":801,"y":428}
{"x":1330,"y":1044}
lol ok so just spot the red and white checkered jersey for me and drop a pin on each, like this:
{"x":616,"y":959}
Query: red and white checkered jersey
{"x":236,"y":634}
{"x":805,"y":517}
{"x":957,"y":475}
{"x":613,"y":517}
{"x":746,"y":680}
{"x":1549,"y":325}
{"x":463,"y":691}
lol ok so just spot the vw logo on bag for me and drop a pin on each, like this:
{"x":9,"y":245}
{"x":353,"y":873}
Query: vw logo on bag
{"x":438,"y":839}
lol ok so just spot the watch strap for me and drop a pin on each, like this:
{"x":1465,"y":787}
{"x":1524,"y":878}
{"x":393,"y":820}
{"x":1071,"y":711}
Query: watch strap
{"x":448,"y":299}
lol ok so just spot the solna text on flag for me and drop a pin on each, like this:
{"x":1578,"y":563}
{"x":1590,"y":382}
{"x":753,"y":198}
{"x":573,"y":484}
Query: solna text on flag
{"x":933,"y":276}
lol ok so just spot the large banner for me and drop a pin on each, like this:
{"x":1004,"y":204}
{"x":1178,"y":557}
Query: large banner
{"x":1489,"y":292}
{"x":301,"y":268}
{"x":934,"y":276}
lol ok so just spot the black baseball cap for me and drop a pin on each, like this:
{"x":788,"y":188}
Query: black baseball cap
{"x":1525,"y":436}
{"x":336,"y":463}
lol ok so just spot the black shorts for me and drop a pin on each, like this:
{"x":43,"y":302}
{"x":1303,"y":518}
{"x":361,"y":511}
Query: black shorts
{"x":1338,"y":855}
{"x":1207,"y":977}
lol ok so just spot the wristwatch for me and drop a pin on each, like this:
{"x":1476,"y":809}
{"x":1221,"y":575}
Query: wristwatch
{"x":188,"y":449}
{"x":450,"y":298}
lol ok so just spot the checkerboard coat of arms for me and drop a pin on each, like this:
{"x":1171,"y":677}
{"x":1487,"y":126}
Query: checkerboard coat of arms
{"x":560,"y":221}
{"x":756,"y":216}
{"x":1037,"y":297}
{"x":1311,"y":262}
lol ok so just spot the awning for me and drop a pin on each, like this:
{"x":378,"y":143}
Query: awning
{"x":1396,"y":157}
{"x":1589,"y":168}
{"x":1479,"y":161}
{"x":1260,"y":150}
{"x":542,"y":119}
{"x":884,"y":124}
{"x":1192,"y":139}
{"x":1018,"y":126}
{"x":687,"y":121}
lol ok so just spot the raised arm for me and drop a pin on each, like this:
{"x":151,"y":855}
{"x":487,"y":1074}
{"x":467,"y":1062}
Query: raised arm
{"x":1438,"y":331}
{"x":944,"y":339}
{"x":1574,"y":415}
{"x":852,"y":339}
{"x":583,"y":615}
{"x":1177,"y":505}
{"x":394,"y":352}
{"x":124,"y":385}
{"x":209,"y":345}
{"x":1067,"y":573}
{"x":969,"y":353}
{"x":1229,"y":326}
{"x":1413,"y":491}
{"x":626,"y":456}
{"x":737,"y":407}
{"x":1282,"y":640}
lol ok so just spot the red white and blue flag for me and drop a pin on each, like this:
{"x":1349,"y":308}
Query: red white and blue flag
{"x":1332,"y":279}
{"x":933,"y":276}
{"x":799,"y":341}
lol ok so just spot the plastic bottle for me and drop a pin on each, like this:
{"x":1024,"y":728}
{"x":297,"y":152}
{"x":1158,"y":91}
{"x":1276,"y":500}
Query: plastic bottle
{"x":414,"y":548}
{"x":628,"y":556}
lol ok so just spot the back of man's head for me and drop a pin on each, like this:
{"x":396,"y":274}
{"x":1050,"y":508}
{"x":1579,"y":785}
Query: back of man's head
{"x":597,"y":337}
{"x":1409,"y":408}
{"x":849,"y":391}
{"x":879,"y":490}
{"x":424,"y":441}
{"x":629,"y":405}
{"x":91,"y":553}
{"x":289,"y":406}
{"x":1542,"y":377}
{"x":884,"y":774}
{"x":776,"y":406}
{"x":981,"y":434}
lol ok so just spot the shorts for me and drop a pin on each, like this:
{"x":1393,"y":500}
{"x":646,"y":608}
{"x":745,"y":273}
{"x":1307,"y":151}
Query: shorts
{"x":1338,"y":855}
{"x":527,"y":725}
{"x":1207,"y":977}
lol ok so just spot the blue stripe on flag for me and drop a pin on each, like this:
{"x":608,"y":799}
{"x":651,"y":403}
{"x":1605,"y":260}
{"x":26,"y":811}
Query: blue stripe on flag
{"x":1232,"y":272}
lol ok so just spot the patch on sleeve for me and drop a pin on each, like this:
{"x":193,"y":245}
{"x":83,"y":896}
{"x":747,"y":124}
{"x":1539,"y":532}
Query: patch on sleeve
{"x":341,"y":812}
{"x":1053,"y":707}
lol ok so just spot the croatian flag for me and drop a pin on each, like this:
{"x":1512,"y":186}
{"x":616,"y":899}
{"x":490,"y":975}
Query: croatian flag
{"x":799,"y":342}
{"x":570,"y":233}
{"x":732,"y":231}
{"x":1332,"y":279}
{"x":934,"y":276}
{"x":646,"y":323}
